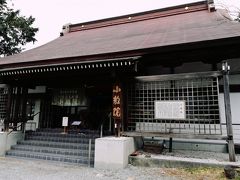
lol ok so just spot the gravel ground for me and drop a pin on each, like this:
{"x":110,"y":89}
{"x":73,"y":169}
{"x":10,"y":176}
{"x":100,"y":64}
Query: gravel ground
{"x":194,"y":156}
{"x":221,"y":157}
{"x":21,"y":169}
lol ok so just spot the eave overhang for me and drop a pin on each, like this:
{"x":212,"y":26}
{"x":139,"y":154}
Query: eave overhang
{"x":72,"y":66}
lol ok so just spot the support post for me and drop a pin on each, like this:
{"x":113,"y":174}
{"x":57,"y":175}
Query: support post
{"x":117,"y":128}
{"x":89,"y":152}
{"x":24,"y":108}
{"x":65,"y":130}
{"x":8,"y":109}
{"x":101,"y":131}
{"x":110,"y":122}
{"x":16,"y":109}
{"x":170,"y":144}
{"x":231,"y":150}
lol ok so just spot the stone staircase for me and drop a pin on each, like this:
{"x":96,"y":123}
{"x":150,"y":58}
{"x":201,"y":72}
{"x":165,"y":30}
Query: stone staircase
{"x":51,"y":144}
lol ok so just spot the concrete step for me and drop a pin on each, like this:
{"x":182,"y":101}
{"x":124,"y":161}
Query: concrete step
{"x":57,"y":134}
{"x":65,"y":145}
{"x":50,"y":157}
{"x":60,"y":139}
{"x":61,"y":151}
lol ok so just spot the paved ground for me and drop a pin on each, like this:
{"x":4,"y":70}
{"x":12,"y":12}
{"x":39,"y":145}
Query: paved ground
{"x":19,"y":169}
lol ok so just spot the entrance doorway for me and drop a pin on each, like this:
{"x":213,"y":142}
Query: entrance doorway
{"x":89,"y":104}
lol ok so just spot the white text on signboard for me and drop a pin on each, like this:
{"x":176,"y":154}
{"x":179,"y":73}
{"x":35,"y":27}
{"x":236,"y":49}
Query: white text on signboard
{"x":169,"y":110}
{"x":65,"y":121}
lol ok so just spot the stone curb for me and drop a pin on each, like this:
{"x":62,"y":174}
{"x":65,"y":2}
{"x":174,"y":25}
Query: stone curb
{"x":177,"y":162}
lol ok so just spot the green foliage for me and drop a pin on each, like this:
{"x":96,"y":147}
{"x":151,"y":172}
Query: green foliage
{"x":15,"y":30}
{"x":206,"y":172}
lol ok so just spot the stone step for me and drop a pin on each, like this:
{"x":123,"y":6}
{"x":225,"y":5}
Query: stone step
{"x":60,"y":139}
{"x":65,"y":145}
{"x":57,"y":134}
{"x":50,"y":157}
{"x":71,"y":131}
{"x":62,"y":151}
{"x":51,"y":144}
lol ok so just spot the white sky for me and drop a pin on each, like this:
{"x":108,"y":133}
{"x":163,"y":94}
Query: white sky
{"x":51,"y":15}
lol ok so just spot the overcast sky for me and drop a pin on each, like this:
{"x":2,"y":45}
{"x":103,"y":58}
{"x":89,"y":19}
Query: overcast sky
{"x":53,"y":14}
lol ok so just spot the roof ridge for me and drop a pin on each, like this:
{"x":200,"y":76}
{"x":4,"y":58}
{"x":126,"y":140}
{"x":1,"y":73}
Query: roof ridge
{"x":130,"y":18}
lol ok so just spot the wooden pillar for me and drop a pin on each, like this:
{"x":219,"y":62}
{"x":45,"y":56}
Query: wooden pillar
{"x":170,"y":144}
{"x":231,"y":150}
{"x":24,"y":107}
{"x":8,"y":108}
{"x":172,"y":70}
{"x":125,"y":120}
{"x":16,"y":109}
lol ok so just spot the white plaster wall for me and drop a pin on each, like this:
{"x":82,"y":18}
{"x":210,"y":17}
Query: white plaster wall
{"x":37,"y":109}
{"x":2,"y":143}
{"x":235,"y":110}
{"x":6,"y":141}
{"x":234,"y":79}
{"x":193,"y":67}
{"x":30,"y":125}
{"x":38,"y":89}
{"x":13,"y":138}
{"x":1,"y":125}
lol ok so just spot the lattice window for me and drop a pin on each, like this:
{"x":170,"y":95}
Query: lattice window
{"x":3,"y":102}
{"x":201,"y":105}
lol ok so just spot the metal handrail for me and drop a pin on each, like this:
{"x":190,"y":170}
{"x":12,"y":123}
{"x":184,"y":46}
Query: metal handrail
{"x":89,"y":152}
{"x":22,"y":124}
{"x":101,"y":127}
{"x":35,"y":114}
{"x":16,"y":128}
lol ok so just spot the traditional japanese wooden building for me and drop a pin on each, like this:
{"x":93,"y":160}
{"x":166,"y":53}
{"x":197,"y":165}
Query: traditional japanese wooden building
{"x":167,"y":63}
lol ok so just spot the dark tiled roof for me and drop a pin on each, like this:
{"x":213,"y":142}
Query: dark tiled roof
{"x":154,"y":29}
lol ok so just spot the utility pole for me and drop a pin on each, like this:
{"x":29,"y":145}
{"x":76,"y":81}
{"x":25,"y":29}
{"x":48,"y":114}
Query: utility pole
{"x":231,"y":149}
